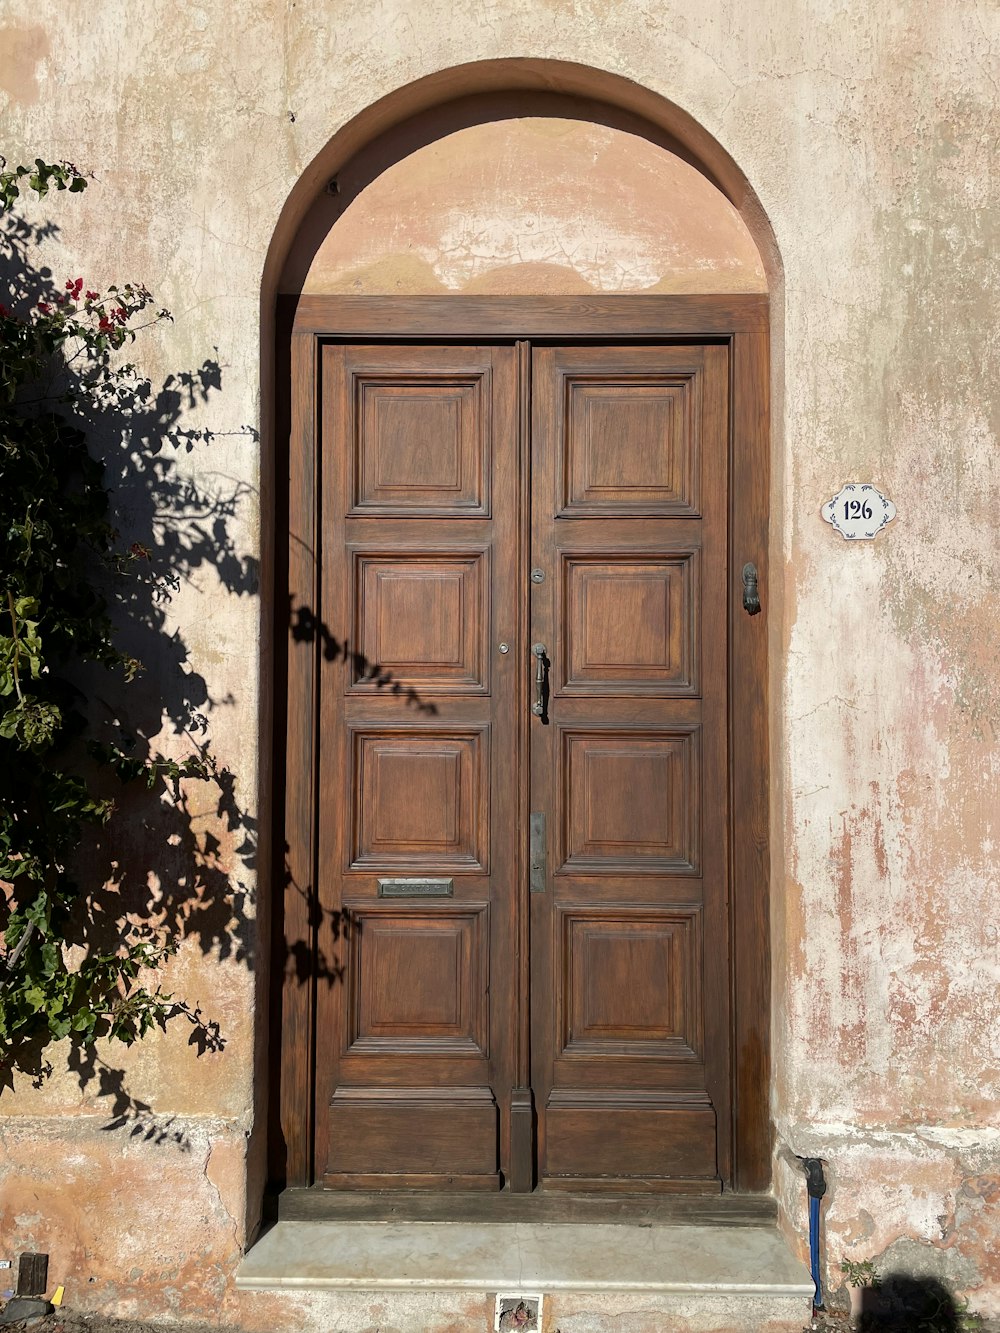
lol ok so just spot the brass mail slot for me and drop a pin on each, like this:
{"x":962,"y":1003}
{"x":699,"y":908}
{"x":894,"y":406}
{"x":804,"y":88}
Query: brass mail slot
{"x":416,"y":888}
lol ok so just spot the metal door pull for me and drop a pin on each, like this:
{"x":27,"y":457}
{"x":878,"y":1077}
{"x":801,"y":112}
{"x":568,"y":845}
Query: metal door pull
{"x":541,"y":663}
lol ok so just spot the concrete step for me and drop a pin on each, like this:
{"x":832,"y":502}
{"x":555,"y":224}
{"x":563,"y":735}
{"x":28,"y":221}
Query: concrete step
{"x":420,"y":1277}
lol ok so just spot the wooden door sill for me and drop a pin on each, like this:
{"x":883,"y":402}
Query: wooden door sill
{"x":320,"y":1205}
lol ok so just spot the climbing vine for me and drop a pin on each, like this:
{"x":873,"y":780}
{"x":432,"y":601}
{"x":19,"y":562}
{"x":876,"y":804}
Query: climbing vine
{"x":68,"y":965}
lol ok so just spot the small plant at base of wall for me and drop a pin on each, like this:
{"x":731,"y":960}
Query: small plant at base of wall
{"x":861,"y":1275}
{"x":860,"y":1272}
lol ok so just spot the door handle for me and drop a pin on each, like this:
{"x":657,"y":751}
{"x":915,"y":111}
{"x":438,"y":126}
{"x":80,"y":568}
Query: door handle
{"x":541,"y":671}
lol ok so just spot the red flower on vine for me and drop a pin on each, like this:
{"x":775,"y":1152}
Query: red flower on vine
{"x":92,"y":296}
{"x":45,"y":308}
{"x":74,"y":288}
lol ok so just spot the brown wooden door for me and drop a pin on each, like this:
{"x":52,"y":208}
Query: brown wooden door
{"x":418,"y":816}
{"x":628,"y":766}
{"x":439,"y":491}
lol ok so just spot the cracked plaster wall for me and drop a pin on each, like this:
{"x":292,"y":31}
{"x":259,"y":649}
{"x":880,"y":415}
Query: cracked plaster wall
{"x":867,"y":133}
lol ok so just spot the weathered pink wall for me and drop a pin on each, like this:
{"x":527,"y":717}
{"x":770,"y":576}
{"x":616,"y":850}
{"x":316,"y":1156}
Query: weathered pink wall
{"x":868,"y":133}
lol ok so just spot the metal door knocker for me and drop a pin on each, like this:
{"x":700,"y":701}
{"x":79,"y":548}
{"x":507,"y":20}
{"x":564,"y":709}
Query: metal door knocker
{"x":751,"y":598}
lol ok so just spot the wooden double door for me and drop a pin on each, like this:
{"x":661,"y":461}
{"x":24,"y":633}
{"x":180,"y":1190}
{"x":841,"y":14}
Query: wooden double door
{"x":523,"y":788}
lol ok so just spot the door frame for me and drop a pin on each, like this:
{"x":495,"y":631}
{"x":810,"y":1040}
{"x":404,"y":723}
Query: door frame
{"x":739,"y":321}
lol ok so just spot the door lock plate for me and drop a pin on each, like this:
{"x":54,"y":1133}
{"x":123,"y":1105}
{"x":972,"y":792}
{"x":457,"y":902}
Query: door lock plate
{"x":536,"y":854}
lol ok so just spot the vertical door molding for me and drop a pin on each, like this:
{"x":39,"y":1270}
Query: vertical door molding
{"x":748,"y":764}
{"x":295,"y":854}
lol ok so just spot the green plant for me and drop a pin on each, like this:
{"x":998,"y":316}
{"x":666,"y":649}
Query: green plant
{"x":968,"y":1320}
{"x":860,"y":1272}
{"x":69,"y":966}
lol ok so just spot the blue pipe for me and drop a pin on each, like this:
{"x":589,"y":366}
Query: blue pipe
{"x":816,"y":1185}
{"x":814,"y":1252}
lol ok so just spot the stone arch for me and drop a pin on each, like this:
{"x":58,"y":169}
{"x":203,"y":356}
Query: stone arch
{"x":389,"y":142}
{"x":456,"y":99}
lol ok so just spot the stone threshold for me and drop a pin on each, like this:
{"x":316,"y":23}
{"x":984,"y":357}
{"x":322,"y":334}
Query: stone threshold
{"x":729,"y":1261}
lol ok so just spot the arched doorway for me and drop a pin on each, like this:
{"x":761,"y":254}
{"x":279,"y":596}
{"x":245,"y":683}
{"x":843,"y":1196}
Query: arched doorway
{"x":523,"y":754}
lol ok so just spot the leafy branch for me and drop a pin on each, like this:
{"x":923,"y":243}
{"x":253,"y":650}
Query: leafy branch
{"x":40,"y":177}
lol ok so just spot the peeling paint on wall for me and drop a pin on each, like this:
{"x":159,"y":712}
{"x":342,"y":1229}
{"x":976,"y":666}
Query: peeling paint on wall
{"x":21,"y":52}
{"x":869,"y":135}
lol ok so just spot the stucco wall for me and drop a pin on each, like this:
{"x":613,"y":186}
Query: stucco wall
{"x":866,"y":132}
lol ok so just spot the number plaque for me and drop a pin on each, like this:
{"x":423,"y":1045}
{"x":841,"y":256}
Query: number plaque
{"x":858,"y":510}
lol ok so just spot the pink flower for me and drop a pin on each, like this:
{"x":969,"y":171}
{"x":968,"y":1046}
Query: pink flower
{"x":92,"y":296}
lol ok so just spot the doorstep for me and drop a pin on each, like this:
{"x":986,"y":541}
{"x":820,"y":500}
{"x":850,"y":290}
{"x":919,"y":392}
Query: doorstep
{"x":720,"y":1274}
{"x":544,"y":1256}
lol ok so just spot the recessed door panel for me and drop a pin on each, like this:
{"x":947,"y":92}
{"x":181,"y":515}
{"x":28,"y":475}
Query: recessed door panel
{"x":630,"y":982}
{"x":420,"y":620}
{"x":422,"y":441}
{"x":630,"y":440}
{"x":629,"y":801}
{"x":446,"y":1137}
{"x":419,"y":980}
{"x":420,"y":798}
{"x":608,"y":1139}
{"x":631,"y":625}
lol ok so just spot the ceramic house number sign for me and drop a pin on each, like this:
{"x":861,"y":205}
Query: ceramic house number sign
{"x":858,"y":510}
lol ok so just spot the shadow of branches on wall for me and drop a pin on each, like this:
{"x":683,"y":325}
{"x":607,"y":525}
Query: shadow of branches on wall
{"x":175,"y":866}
